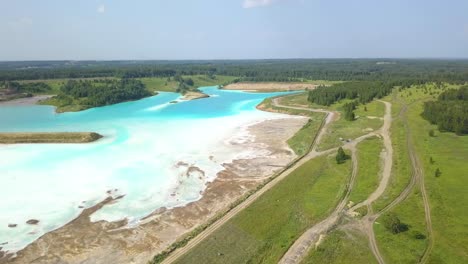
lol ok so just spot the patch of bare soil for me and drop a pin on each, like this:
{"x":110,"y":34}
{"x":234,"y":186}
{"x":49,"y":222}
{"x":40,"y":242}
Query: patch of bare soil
{"x":26,"y":101}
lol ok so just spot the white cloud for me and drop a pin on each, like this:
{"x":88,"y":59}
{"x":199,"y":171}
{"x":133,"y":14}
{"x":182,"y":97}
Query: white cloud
{"x":101,"y":9}
{"x":256,"y":3}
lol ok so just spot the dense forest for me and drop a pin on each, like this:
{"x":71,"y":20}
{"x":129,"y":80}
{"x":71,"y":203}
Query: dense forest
{"x":403,"y":71}
{"x":363,"y":92}
{"x":101,"y":92}
{"x":31,"y":87}
{"x":450,"y":111}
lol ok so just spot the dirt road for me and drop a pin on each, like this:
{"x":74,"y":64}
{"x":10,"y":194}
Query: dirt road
{"x":208,"y":231}
{"x":301,"y":247}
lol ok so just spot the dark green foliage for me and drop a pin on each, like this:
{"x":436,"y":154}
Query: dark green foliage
{"x":393,"y":224}
{"x":184,"y":85}
{"x":31,"y":87}
{"x":431,"y":133}
{"x":189,"y":82}
{"x":349,"y":111}
{"x":363,"y":92}
{"x":431,"y":160}
{"x":437,"y":173}
{"x":418,"y":235}
{"x":450,"y":111}
{"x":341,"y":156}
{"x":101,"y":92}
{"x":405,"y":71}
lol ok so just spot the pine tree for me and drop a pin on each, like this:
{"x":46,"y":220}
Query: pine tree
{"x":341,"y":156}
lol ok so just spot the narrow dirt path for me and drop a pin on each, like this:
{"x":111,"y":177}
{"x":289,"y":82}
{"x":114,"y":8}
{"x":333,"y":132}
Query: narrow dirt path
{"x":388,"y":159}
{"x":301,"y":247}
{"x":208,"y":231}
{"x":417,"y":177}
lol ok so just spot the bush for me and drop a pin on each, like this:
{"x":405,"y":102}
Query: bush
{"x":393,"y":224}
{"x":341,"y":156}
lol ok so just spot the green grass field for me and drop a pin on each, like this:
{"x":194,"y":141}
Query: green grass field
{"x":447,"y":193}
{"x":55,"y":84}
{"x":165,"y":84}
{"x":365,"y":122}
{"x":302,"y":140}
{"x":367,"y":119}
{"x":264,"y":231}
{"x":341,"y":247}
{"x":369,"y":168}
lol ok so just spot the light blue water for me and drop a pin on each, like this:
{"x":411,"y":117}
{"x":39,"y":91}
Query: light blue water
{"x":140,"y":156}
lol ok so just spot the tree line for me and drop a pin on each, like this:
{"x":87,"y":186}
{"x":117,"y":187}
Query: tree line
{"x":403,"y":71}
{"x":30,"y":87}
{"x":362,"y":92}
{"x":450,"y":111}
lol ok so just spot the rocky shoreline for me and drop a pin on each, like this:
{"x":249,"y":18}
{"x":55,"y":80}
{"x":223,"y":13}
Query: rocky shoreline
{"x":114,"y":242}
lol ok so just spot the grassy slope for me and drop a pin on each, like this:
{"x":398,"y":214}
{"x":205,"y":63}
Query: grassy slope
{"x":447,"y":194}
{"x":367,"y":180}
{"x":264,"y":231}
{"x":341,"y":247}
{"x":302,"y":140}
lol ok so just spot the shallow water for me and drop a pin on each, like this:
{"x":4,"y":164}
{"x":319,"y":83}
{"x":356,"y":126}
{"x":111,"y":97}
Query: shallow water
{"x":144,"y":141}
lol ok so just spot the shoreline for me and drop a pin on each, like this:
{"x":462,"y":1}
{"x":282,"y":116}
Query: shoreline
{"x":48,"y":137}
{"x":118,"y":243}
{"x":33,"y":100}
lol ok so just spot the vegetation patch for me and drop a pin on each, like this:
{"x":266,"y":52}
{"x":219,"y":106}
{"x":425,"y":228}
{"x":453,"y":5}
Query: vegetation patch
{"x":84,"y":94}
{"x":341,"y":247}
{"x":303,"y":139}
{"x":369,"y":167}
{"x":442,"y":150}
{"x":449,"y":112}
{"x":269,"y":226}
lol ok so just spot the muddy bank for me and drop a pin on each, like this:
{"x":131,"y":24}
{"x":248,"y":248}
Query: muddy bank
{"x":82,"y":241}
{"x":26,"y":101}
{"x":49,"y":137}
{"x":194,"y":95}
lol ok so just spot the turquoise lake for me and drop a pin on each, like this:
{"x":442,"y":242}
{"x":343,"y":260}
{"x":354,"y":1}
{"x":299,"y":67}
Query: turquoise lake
{"x":145,"y":142}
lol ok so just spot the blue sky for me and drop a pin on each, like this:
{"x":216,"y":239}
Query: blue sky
{"x":231,"y":29}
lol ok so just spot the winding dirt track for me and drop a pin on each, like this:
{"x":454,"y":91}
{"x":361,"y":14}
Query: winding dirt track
{"x":312,"y":154}
{"x":417,"y":176}
{"x":301,"y":247}
{"x":305,"y":242}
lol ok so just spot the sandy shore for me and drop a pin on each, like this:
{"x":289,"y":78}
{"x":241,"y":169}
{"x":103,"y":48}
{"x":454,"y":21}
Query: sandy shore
{"x":82,"y":241}
{"x":269,"y":86}
{"x":194,"y":95}
{"x":26,"y":101}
